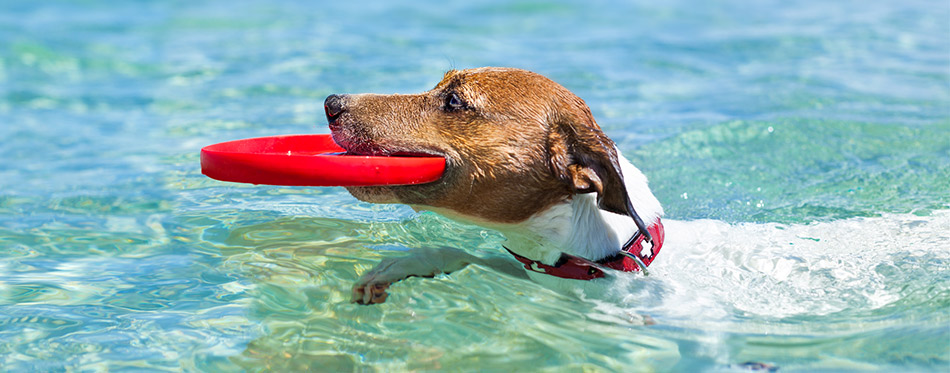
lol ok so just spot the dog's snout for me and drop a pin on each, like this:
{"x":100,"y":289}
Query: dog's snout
{"x":333,"y":107}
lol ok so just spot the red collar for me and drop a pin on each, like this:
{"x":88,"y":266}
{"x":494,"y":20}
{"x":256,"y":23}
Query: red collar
{"x":577,"y":268}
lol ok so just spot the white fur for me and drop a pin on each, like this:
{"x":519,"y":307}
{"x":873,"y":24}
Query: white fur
{"x":578,"y":227}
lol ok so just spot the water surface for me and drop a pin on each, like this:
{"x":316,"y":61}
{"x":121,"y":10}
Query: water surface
{"x":800,"y":150}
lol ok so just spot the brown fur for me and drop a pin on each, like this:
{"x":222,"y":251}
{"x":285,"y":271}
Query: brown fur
{"x":518,"y":144}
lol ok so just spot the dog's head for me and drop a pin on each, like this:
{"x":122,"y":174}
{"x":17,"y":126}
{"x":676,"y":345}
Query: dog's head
{"x":515,"y":144}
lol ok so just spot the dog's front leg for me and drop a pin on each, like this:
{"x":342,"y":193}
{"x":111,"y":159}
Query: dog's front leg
{"x":423,"y":262}
{"x":371,"y":287}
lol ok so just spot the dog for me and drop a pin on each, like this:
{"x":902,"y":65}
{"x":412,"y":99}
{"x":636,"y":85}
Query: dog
{"x":524,"y":156}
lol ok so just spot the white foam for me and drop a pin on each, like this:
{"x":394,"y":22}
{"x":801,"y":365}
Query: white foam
{"x":712,"y":271}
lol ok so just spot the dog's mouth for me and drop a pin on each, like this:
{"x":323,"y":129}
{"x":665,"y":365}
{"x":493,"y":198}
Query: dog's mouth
{"x":380,"y":151}
{"x":361,"y":146}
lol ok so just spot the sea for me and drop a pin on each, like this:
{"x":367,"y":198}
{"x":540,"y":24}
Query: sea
{"x":801,"y":150}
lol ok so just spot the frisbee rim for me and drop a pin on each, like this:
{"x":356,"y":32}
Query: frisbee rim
{"x":312,"y":160}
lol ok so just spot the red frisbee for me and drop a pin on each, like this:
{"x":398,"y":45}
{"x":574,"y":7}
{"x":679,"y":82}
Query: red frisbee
{"x":312,"y":160}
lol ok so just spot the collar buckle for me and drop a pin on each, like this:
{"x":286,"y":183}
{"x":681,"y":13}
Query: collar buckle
{"x":643,"y":267}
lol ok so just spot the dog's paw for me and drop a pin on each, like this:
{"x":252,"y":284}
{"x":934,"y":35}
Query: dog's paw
{"x":371,"y":287}
{"x":370,"y":293}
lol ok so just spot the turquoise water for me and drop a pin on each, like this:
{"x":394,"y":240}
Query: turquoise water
{"x":801,"y":150}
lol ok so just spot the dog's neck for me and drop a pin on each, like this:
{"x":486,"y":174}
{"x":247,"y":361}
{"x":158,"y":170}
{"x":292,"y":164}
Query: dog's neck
{"x":577,"y":226}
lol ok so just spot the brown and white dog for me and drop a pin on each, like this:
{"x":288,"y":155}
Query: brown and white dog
{"x":525,"y":157}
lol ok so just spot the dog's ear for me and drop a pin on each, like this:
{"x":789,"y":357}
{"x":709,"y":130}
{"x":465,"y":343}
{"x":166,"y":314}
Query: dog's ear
{"x":585,"y":159}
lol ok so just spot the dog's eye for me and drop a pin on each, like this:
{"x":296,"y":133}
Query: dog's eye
{"x":453,"y":102}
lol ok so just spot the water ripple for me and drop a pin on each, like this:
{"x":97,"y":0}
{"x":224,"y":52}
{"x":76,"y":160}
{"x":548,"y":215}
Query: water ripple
{"x":814,"y":133}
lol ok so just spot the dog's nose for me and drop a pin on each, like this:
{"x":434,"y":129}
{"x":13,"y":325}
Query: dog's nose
{"x":333,"y":106}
